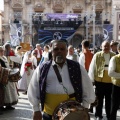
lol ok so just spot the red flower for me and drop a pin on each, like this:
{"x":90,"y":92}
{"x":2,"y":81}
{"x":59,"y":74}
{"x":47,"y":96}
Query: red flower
{"x":28,"y":66}
{"x":11,"y":53}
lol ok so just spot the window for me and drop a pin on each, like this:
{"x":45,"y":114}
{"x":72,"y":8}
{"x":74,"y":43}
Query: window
{"x":18,"y":15}
{"x":98,"y":17}
{"x":58,"y":11}
{"x":77,"y":12}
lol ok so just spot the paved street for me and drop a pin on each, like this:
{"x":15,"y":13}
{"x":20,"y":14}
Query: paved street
{"x":23,"y":111}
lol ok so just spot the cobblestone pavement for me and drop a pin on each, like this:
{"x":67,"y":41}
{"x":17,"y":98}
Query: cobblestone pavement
{"x":23,"y":111}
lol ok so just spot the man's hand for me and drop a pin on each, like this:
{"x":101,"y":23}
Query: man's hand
{"x":37,"y":115}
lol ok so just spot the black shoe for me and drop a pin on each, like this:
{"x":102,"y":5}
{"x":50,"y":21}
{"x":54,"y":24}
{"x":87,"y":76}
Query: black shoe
{"x":2,"y":109}
{"x":9,"y":108}
{"x":1,"y":113}
{"x":108,"y":118}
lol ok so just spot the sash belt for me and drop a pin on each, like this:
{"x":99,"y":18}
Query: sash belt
{"x":72,"y":95}
{"x":106,"y":65}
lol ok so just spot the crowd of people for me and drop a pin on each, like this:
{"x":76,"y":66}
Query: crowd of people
{"x":59,"y":72}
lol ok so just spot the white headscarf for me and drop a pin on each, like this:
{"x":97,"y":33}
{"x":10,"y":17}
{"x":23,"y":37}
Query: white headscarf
{"x":25,"y":59}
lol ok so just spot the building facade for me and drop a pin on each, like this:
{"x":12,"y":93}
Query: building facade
{"x":116,"y":19}
{"x":93,"y":13}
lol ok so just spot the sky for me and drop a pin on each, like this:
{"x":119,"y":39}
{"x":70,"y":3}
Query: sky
{"x":2,"y":5}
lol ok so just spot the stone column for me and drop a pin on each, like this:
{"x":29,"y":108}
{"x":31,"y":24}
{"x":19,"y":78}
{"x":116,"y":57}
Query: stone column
{"x":6,"y":32}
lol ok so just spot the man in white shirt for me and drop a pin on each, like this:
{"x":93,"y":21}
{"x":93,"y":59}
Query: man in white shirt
{"x":113,"y":46}
{"x":98,"y":73}
{"x":71,"y":54}
{"x":38,"y":51}
{"x":114,"y":72}
{"x":86,"y":55}
{"x":45,"y":89}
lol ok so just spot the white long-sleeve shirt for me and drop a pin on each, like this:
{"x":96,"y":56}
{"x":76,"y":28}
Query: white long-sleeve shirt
{"x":93,"y":65}
{"x":71,"y":57}
{"x":111,"y":69}
{"x":54,"y":87}
{"x":82,"y":59}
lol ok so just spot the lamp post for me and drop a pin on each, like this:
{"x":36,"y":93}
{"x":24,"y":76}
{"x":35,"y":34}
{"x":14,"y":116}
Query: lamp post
{"x":94,"y":15}
{"x":1,"y":9}
{"x":86,"y":25}
{"x":30,"y":27}
{"x":30,"y":23}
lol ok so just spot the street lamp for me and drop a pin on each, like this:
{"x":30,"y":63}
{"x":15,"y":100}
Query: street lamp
{"x":1,"y":10}
{"x":86,"y":25}
{"x":94,"y":15}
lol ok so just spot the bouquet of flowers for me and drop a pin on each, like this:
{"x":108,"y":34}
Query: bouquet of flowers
{"x":28,"y":67}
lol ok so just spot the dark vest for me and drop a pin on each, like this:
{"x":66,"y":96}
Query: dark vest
{"x":2,"y":63}
{"x":75,"y":77}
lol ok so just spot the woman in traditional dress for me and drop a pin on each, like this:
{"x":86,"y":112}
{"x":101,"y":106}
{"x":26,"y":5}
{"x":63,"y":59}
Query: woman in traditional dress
{"x":10,"y":91}
{"x":45,"y":54}
{"x":1,"y":91}
{"x":19,"y":55}
{"x":28,"y":66}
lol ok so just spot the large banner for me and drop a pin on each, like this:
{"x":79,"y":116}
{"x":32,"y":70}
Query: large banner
{"x":15,"y":34}
{"x":45,"y":36}
{"x":63,"y":17}
{"x":105,"y":33}
{"x":108,"y":32}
